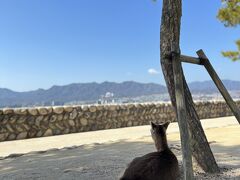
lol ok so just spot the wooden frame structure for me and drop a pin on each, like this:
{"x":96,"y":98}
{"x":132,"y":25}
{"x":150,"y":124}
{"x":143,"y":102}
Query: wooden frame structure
{"x":202,"y":59}
{"x":182,"y":113}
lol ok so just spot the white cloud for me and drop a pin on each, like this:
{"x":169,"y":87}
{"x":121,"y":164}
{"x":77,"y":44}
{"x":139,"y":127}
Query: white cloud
{"x":153,"y":71}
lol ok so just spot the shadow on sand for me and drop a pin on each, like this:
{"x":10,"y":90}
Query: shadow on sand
{"x":101,"y":161}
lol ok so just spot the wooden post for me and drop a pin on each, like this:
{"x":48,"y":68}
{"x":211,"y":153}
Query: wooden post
{"x":219,"y":84}
{"x":189,"y":59}
{"x":182,"y":115}
{"x":170,"y":33}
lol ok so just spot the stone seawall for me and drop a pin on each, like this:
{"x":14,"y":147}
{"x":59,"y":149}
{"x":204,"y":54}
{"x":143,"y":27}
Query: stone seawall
{"x":22,"y":123}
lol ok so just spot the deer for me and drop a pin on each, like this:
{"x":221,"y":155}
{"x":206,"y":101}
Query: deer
{"x":159,"y":165}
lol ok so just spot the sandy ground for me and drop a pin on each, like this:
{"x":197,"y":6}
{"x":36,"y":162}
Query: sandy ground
{"x":103,"y":155}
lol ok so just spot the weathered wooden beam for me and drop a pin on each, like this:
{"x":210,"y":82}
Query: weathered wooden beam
{"x":205,"y":61}
{"x":170,"y":33}
{"x":189,"y":59}
{"x":182,"y":115}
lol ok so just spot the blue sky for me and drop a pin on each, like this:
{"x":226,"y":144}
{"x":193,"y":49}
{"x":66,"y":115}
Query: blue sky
{"x":57,"y":42}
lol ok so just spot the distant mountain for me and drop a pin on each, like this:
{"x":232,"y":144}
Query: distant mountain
{"x":78,"y":92}
{"x":93,"y":91}
{"x":207,"y":87}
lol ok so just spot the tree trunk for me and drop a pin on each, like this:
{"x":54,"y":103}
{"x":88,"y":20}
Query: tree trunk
{"x":170,"y":32}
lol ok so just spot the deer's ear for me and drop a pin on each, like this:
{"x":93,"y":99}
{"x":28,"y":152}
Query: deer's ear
{"x":165,"y":125}
{"x":153,"y":125}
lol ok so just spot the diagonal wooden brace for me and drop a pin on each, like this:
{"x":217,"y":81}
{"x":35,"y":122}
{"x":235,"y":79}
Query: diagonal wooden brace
{"x":182,"y":114}
{"x":205,"y":61}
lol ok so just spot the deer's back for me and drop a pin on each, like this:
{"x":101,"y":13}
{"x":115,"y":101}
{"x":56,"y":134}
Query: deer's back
{"x":153,"y":166}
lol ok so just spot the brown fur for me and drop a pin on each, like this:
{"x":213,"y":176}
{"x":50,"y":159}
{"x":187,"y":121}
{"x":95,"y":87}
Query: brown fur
{"x":160,"y":165}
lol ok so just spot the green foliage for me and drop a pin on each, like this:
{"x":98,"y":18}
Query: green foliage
{"x":234,"y":55}
{"x":229,"y":14}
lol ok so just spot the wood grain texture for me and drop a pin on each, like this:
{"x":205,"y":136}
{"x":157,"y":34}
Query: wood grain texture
{"x":181,"y":117}
{"x":170,"y":32}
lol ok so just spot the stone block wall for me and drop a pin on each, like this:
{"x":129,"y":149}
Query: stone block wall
{"x":22,"y":123}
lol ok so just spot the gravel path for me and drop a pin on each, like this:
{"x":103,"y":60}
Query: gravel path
{"x":106,"y":161}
